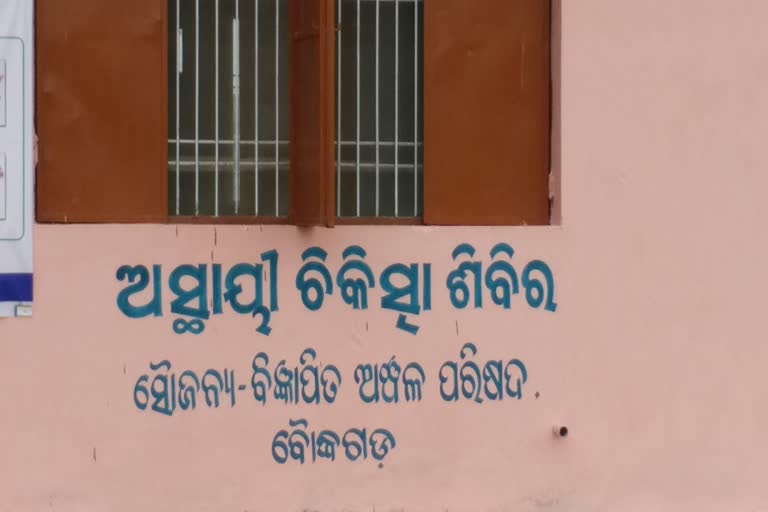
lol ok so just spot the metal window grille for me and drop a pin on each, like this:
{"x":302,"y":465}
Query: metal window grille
{"x":379,"y":131}
{"x":228,"y":107}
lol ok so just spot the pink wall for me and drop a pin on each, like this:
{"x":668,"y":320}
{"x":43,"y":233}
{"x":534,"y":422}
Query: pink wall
{"x":654,"y":358}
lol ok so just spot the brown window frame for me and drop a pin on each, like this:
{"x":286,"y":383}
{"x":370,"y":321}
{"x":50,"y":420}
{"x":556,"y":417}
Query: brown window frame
{"x":87,"y":173}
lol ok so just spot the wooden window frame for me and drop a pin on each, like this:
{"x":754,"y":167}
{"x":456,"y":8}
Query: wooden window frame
{"x":312,"y":118}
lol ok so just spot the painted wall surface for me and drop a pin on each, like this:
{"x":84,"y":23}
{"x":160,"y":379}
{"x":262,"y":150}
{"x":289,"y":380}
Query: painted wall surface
{"x":654,"y":358}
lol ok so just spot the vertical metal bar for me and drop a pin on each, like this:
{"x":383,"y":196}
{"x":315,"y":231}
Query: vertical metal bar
{"x":415,"y":108}
{"x":338,"y":110}
{"x":216,"y":103}
{"x":197,"y":107}
{"x":397,"y":100}
{"x":179,"y":64}
{"x":277,"y":108}
{"x":236,"y":105}
{"x":256,"y":108}
{"x":357,"y":111}
{"x":378,"y":9}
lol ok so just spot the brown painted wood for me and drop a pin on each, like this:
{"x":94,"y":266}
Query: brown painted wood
{"x":379,"y":221}
{"x":102,"y":110}
{"x":486,"y":111}
{"x":312,"y":112}
{"x":229,"y":219}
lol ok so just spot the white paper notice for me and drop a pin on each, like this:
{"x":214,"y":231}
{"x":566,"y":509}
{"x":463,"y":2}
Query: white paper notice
{"x":13,"y":139}
{"x":3,"y":191}
{"x":3,"y":110}
{"x":16,"y":155}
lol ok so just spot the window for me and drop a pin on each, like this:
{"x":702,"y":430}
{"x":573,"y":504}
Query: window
{"x":229,"y":89}
{"x":379,"y":146}
{"x":300,"y":111}
{"x":228,"y":144}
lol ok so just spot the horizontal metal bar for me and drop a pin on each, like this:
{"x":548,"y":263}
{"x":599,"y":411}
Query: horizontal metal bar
{"x":228,"y":163}
{"x":380,"y":143}
{"x":368,"y":165}
{"x":250,"y":162}
{"x":229,"y":141}
{"x":282,"y":163}
{"x":285,"y":142}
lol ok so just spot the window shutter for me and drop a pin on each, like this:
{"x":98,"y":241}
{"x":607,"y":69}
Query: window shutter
{"x":102,"y":110}
{"x":486,"y":111}
{"x":312,"y":106}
